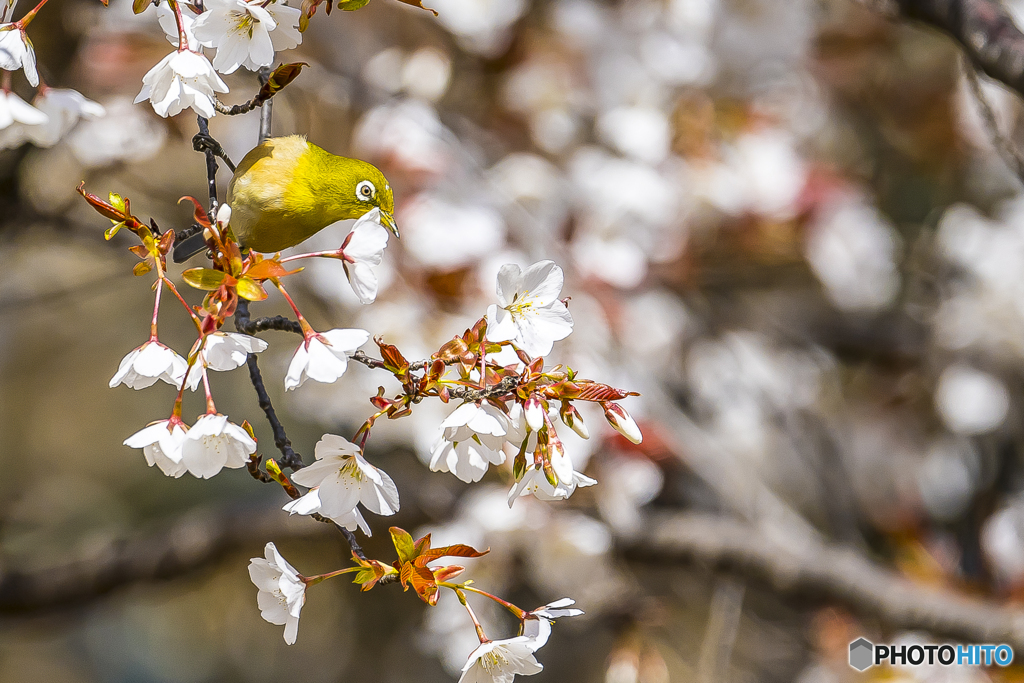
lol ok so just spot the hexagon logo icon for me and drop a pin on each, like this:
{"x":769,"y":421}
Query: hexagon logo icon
{"x":862,"y":654}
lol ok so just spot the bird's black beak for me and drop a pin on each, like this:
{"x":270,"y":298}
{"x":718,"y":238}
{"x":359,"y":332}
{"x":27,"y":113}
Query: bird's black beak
{"x":388,"y":221}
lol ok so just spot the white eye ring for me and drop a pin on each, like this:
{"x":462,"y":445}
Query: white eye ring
{"x":365,"y":191}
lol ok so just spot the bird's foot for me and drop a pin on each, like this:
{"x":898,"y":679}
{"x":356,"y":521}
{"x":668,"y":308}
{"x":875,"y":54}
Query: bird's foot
{"x":202,"y":142}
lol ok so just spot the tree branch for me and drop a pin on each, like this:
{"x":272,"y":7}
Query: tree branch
{"x":192,"y":544}
{"x":983,"y":28}
{"x":829,"y":572}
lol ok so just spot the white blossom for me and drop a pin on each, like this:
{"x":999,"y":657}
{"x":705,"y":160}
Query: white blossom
{"x":281,"y":591}
{"x":145,"y":365}
{"x":16,"y":52}
{"x":223,"y":352}
{"x":247,"y":33}
{"x":363,"y":249}
{"x":531,"y":316}
{"x":323,"y":357}
{"x":214,"y":443}
{"x":181,"y":80}
{"x":537,"y":624}
{"x":498,"y":661}
{"x":310,"y":503}
{"x":471,"y":440}
{"x":161,"y":443}
{"x":17,"y":117}
{"x":534,"y":482}
{"x":345,"y":479}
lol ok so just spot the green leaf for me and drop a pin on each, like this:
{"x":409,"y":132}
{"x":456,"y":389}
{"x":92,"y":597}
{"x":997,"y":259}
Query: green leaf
{"x":139,"y":6}
{"x":113,"y":230}
{"x":204,"y":278}
{"x":403,"y":544}
{"x":251,"y":290}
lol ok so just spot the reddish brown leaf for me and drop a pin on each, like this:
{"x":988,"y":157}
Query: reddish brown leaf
{"x":200,"y":215}
{"x":457,"y":550}
{"x":268,"y":268}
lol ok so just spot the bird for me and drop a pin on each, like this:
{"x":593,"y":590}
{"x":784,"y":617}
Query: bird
{"x":286,"y":189}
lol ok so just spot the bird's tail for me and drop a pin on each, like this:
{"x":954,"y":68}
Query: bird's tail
{"x":189,"y":247}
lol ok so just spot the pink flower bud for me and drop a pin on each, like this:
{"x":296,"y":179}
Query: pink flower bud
{"x":624,"y":424}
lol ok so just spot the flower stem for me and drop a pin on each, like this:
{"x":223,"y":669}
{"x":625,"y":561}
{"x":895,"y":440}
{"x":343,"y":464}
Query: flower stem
{"x":307,"y":331}
{"x":504,"y":603}
{"x":195,"y":318}
{"x":27,"y":19}
{"x":156,"y":310}
{"x":472,"y":615}
{"x":313,"y":580}
{"x":333,"y":253}
{"x":211,"y":409}
{"x":182,"y":36}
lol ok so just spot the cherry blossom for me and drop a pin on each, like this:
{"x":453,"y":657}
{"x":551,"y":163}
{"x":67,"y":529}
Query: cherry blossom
{"x":223,"y":352}
{"x":181,"y":80}
{"x":145,"y":365}
{"x":16,"y":52}
{"x":214,"y":443}
{"x":534,"y":482}
{"x":281,"y":591}
{"x":324,"y":356}
{"x":498,"y":661}
{"x":531,"y":316}
{"x":346,"y":479}
{"x":363,"y":249}
{"x":63,"y":108}
{"x":537,"y":623}
{"x":247,"y":33}
{"x":161,"y":443}
{"x":471,"y":440}
{"x":310,"y":503}
{"x":17,"y":117}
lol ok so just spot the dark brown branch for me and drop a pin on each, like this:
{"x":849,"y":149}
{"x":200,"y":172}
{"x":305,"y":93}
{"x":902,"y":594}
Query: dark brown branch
{"x":983,"y":28}
{"x":809,"y":567}
{"x":211,"y":167}
{"x":469,"y":394}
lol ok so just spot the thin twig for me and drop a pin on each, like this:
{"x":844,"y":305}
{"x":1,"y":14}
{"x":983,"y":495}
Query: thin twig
{"x":1007,"y":151}
{"x":267,"y":107}
{"x":720,"y":635}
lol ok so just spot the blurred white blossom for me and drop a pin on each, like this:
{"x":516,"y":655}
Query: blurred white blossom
{"x":971,"y":401}
{"x":852,"y":248}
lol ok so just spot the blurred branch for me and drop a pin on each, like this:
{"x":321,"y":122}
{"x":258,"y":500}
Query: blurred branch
{"x":983,"y":28}
{"x":720,"y":636}
{"x":828,"y":572}
{"x":1010,"y":155}
{"x":197,"y":541}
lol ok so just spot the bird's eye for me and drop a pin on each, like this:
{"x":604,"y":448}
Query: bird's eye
{"x":365,"y":191}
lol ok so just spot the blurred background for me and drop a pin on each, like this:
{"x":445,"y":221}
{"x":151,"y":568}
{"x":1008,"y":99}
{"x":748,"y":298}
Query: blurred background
{"x":781,"y":221}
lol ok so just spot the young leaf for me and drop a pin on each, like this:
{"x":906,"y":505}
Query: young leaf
{"x":204,"y":278}
{"x":403,"y":544}
{"x":251,"y":290}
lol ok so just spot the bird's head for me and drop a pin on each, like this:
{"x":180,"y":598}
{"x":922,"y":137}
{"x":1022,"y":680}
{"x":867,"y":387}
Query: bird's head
{"x":371,"y":189}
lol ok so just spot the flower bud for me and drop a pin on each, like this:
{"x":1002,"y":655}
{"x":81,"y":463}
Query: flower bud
{"x":533,"y":409}
{"x":223,"y":216}
{"x":624,"y":424}
{"x":573,"y":420}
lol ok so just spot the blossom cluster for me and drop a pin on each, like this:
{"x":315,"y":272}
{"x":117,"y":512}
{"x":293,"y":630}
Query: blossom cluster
{"x":508,"y":403}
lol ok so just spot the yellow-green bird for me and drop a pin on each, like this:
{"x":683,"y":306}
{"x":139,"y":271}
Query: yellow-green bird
{"x":286,"y":190}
